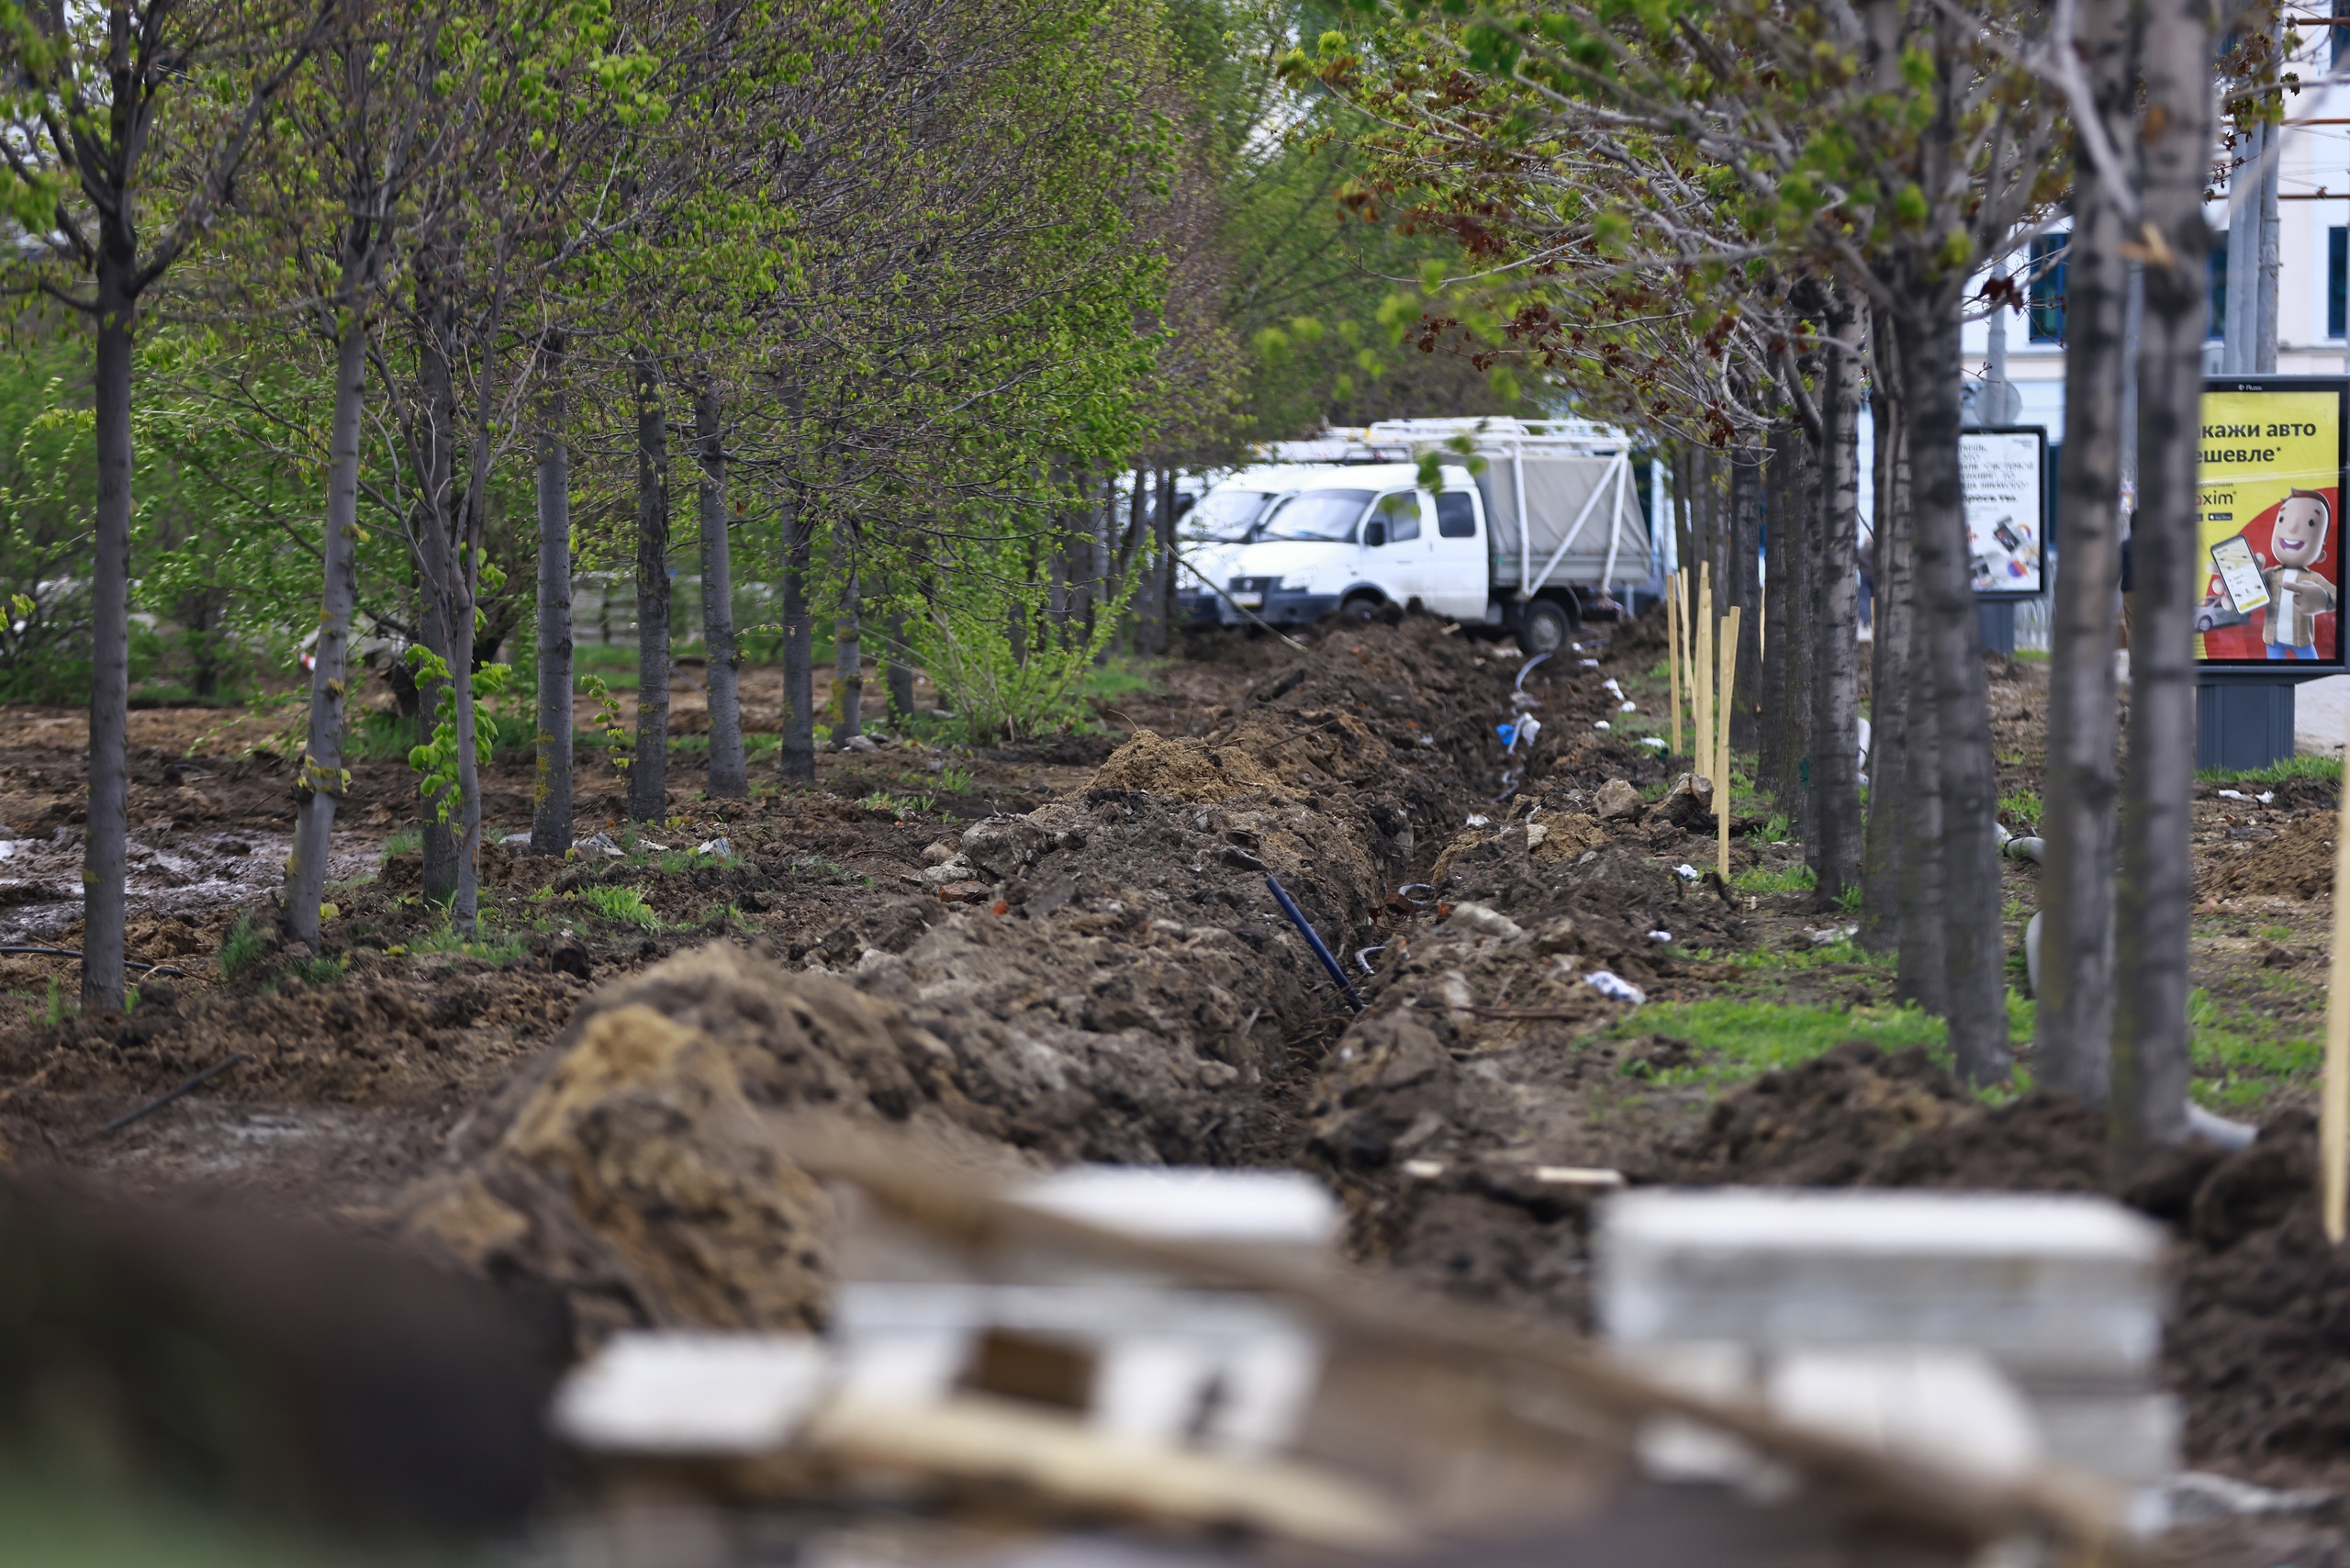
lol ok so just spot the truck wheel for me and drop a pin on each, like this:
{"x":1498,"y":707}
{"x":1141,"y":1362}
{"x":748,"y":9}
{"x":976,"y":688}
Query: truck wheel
{"x":1544,"y":626}
{"x":1359,"y":609}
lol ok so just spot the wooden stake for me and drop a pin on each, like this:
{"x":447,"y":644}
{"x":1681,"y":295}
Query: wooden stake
{"x":2334,"y":1100}
{"x":1673,"y":649}
{"x":1701,"y":745}
{"x":1727,"y":707}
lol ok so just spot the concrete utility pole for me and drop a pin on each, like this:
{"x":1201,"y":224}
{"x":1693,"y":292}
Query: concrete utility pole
{"x":2264,"y":342}
{"x":2241,"y":323}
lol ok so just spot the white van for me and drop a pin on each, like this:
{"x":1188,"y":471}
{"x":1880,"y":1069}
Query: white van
{"x":1349,"y":538}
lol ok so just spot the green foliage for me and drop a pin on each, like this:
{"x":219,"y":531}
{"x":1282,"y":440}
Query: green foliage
{"x":446,"y":938}
{"x":623,"y":904}
{"x":61,"y":1007}
{"x":322,"y":971}
{"x":2245,"y":1056}
{"x":2021,"y":811}
{"x":245,"y":946}
{"x":404,"y":841}
{"x":437,"y":759}
{"x":900,"y":806}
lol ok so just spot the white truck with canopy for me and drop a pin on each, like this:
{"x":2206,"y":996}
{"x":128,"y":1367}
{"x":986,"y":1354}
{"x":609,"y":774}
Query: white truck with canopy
{"x":1529,"y":539}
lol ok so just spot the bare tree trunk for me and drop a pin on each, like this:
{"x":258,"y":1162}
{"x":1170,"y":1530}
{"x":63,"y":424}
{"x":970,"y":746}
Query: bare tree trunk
{"x":1745,"y":518}
{"x":2075,"y":1012}
{"x":1889,"y":675}
{"x":1170,"y":573}
{"x":1973,"y":948}
{"x":320,"y":780}
{"x":648,"y":772}
{"x":106,"y":839}
{"x":1773,"y":765}
{"x":1836,"y":677}
{"x":797,"y":757}
{"x":848,"y":678}
{"x":551,"y":801}
{"x":901,"y":671}
{"x":2150,"y":1045}
{"x":728,"y":777}
{"x":1804,"y":511}
{"x":437,"y":829}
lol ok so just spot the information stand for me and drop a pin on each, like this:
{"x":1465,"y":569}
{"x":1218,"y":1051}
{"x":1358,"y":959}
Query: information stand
{"x":2003,"y":477}
{"x":2269,"y":505}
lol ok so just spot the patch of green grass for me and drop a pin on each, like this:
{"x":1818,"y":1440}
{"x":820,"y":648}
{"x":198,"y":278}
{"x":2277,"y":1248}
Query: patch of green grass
{"x":243,"y":947}
{"x":2243,"y":1055}
{"x":817,"y":866}
{"x":763,"y":743}
{"x":1849,"y":901}
{"x":898,"y":805}
{"x":445,"y":938}
{"x":1758,"y":880}
{"x":379,"y":737}
{"x":676,"y":862}
{"x":1744,"y":1039}
{"x":2021,"y":810}
{"x":404,"y":841}
{"x":2277,"y":933}
{"x":319,"y":970}
{"x":2328,"y":768}
{"x":623,"y":904}
{"x":1824,"y":955}
{"x":60,"y":1008}
{"x":1120,"y":677}
{"x":1776,"y":829}
{"x":2032,"y":655}
{"x":955,"y":778}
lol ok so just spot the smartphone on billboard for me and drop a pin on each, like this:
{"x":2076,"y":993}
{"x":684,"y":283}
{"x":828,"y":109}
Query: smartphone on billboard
{"x":2239,"y":573}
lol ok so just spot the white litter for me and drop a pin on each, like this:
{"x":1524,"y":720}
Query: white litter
{"x":652,"y":848}
{"x":718,"y":846}
{"x":1660,"y":936}
{"x":1610,"y":684}
{"x":2266,"y":796}
{"x":1827,"y":936}
{"x":515,"y":838}
{"x":1601,"y":725}
{"x":596,"y":842}
{"x":1656,"y":741}
{"x":1613,"y":987}
{"x":1686,"y":871}
{"x":1629,"y":707}
{"x":2234,"y":795}
{"x":1591,"y":663}
{"x":1478,"y":821}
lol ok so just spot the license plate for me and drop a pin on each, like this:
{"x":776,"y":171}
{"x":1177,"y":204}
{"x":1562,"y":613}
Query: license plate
{"x":1249,"y":601}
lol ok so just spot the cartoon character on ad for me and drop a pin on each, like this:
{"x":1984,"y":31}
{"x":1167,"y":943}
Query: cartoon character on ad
{"x":2270,"y":492}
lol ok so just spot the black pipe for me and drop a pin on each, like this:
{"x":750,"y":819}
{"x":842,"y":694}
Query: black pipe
{"x":1314,"y":939}
{"x":149,"y":1109}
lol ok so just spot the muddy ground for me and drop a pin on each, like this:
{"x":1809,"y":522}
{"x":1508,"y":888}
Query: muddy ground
{"x":1083,"y":960}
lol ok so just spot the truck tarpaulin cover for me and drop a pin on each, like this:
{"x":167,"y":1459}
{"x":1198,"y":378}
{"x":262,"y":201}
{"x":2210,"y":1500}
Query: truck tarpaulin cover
{"x":2271,"y":505}
{"x":1559,"y":493}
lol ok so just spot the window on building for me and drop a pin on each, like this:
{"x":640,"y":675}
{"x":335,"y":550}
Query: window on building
{"x":2337,"y":280}
{"x":2216,"y":328}
{"x":2045,"y":320}
{"x":2338,"y":43}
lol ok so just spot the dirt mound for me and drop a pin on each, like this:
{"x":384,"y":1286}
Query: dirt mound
{"x":2298,"y":864}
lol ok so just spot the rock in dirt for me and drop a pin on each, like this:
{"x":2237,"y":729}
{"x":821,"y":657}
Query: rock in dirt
{"x":1390,"y":1079}
{"x":1003,"y":847}
{"x":1617,"y":799}
{"x":1689,"y":804}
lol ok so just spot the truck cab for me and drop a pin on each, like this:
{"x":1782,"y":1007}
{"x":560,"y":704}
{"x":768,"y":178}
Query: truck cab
{"x":1350,"y":539}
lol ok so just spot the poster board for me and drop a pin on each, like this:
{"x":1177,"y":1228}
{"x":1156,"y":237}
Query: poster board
{"x":2003,"y":474}
{"x":2269,"y":523}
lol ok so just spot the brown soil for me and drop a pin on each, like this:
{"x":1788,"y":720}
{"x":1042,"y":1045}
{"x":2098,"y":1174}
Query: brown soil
{"x":1107,"y":977}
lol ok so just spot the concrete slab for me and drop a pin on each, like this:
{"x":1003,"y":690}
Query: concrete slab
{"x":2321,"y":715}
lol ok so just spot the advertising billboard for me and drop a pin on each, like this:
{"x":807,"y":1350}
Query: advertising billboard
{"x":2002,"y":474}
{"x":2269,"y":519}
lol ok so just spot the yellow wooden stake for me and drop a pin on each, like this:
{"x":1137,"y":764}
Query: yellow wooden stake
{"x":2334,"y":1102}
{"x":1727,"y":707}
{"x":1701,"y":744}
{"x":1673,"y":649}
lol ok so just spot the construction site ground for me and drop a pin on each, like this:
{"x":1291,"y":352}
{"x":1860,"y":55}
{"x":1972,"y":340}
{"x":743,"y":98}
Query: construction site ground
{"x":1079,"y":958}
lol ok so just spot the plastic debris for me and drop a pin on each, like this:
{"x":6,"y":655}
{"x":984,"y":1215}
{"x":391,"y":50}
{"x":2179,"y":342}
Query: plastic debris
{"x":1601,"y":725}
{"x":2234,"y":795}
{"x":1478,"y":821}
{"x":1660,"y":936}
{"x":599,"y":843}
{"x":718,"y":846}
{"x":2266,"y":796}
{"x":1686,"y":871}
{"x":1615,"y":986}
{"x":1629,"y":707}
{"x":1656,"y":741}
{"x":515,"y":838}
{"x":1590,"y":663}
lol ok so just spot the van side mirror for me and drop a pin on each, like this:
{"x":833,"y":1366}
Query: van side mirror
{"x":1374,"y":533}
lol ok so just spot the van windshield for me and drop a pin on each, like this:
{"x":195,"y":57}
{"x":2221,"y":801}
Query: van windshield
{"x":1327,"y":515}
{"x":1227,"y":516}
